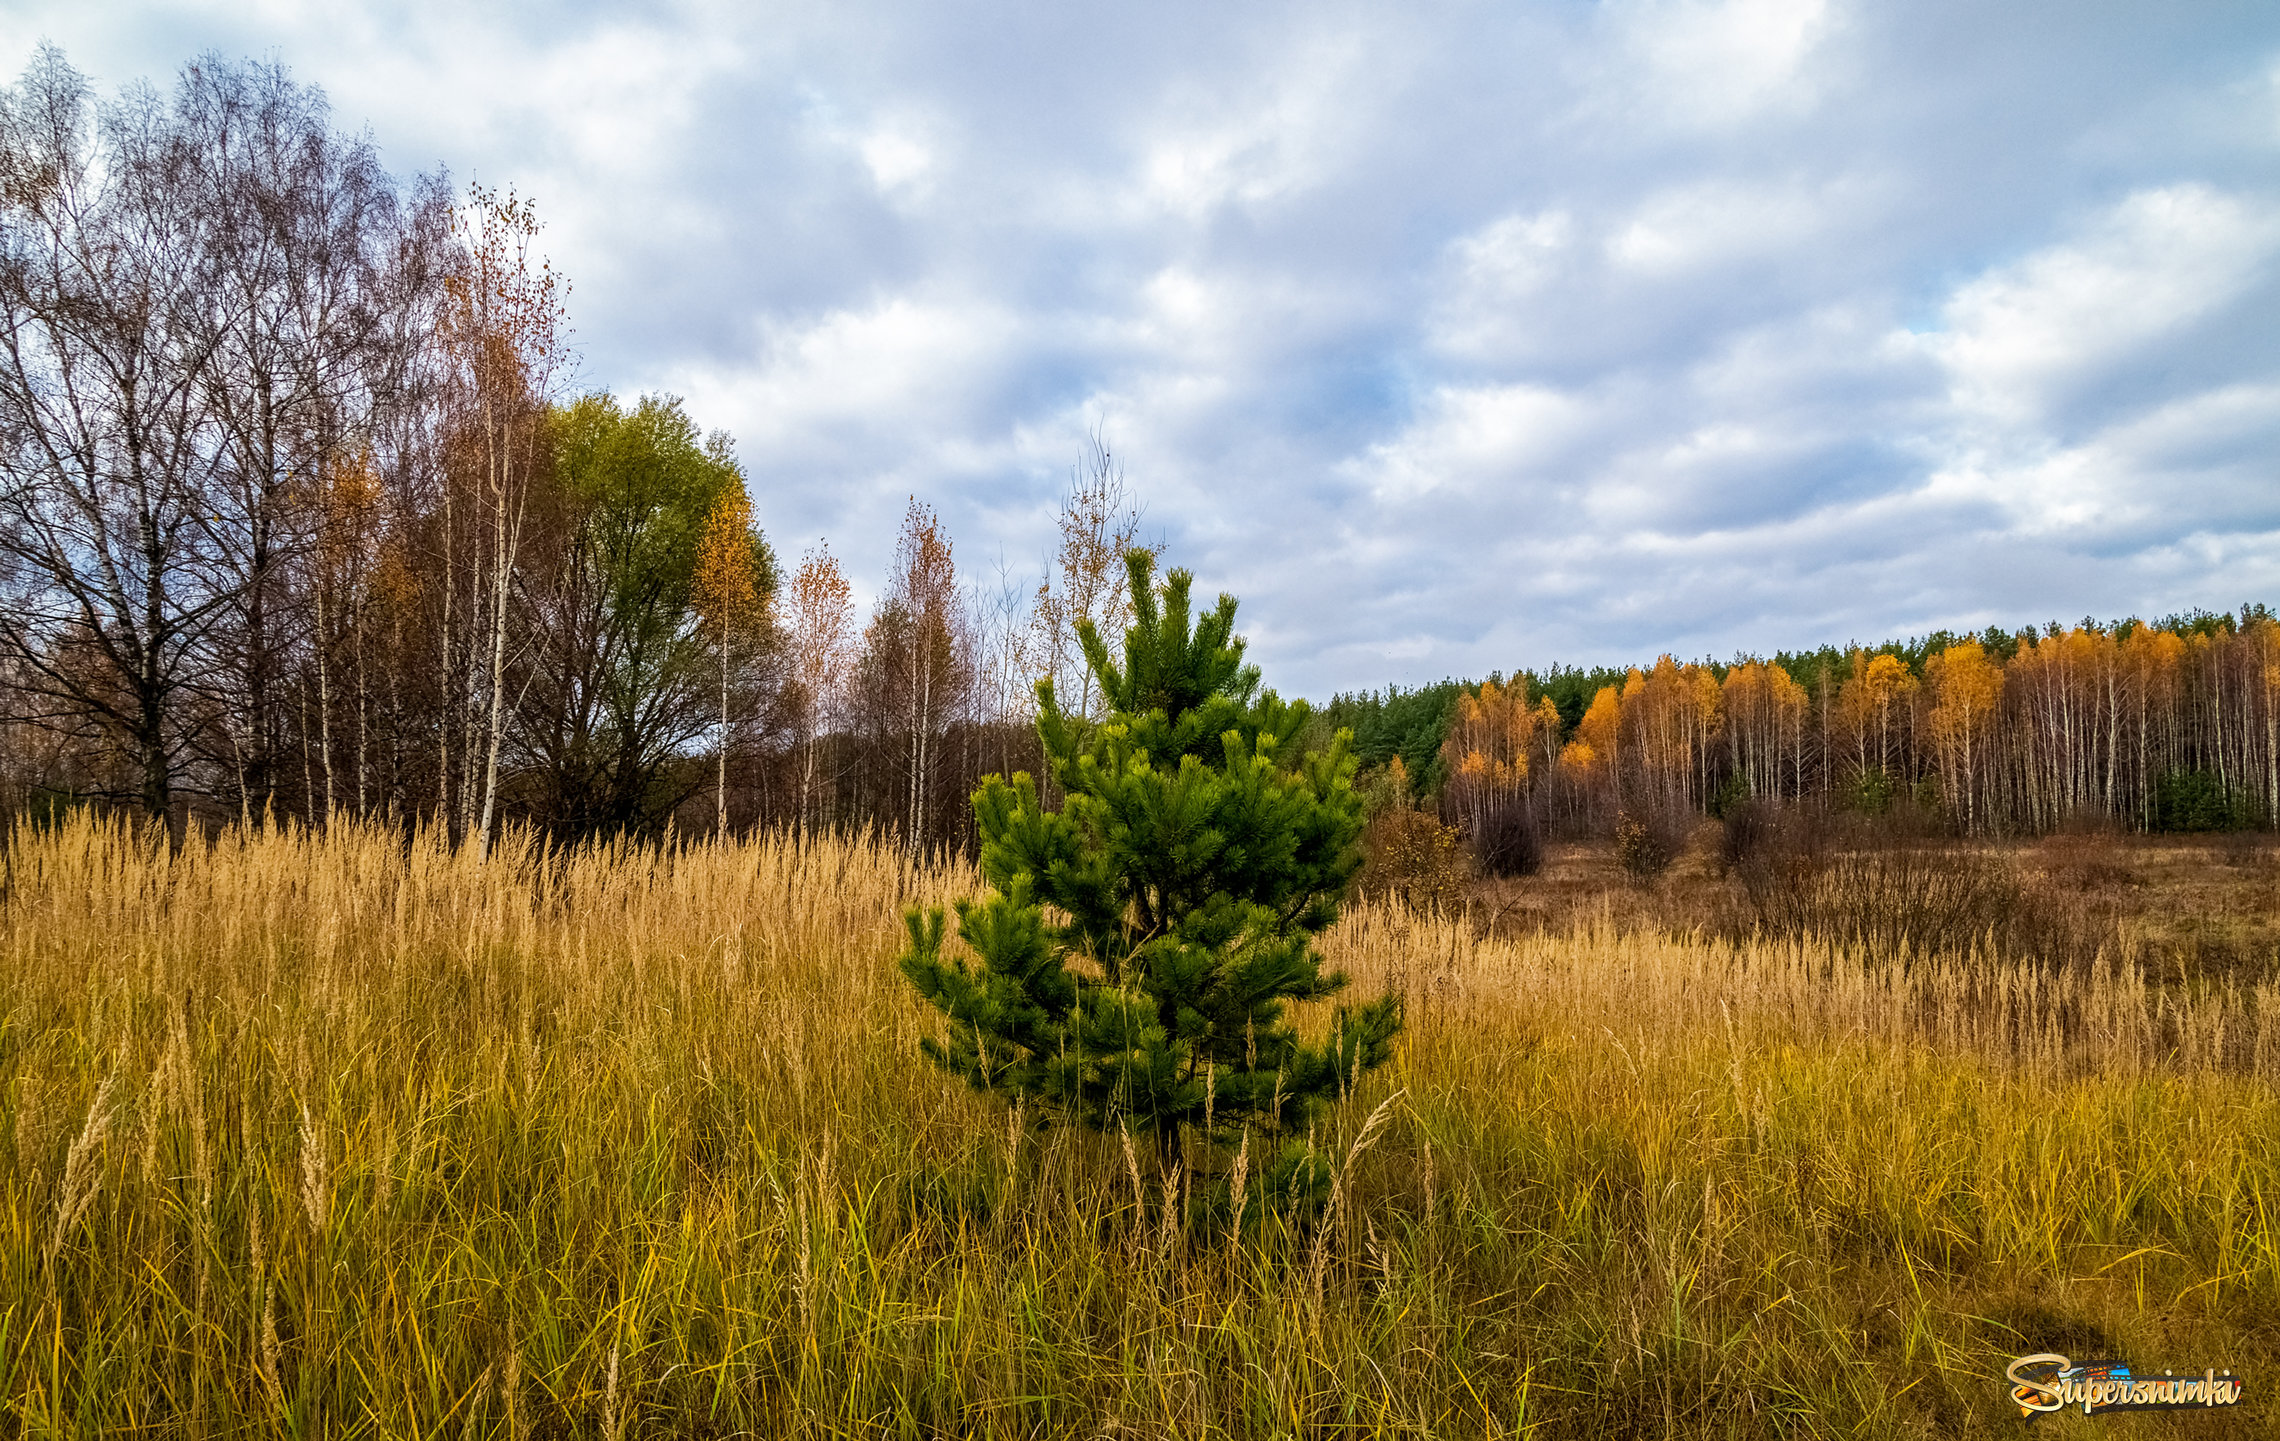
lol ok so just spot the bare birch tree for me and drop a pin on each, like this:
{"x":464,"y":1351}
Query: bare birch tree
{"x":303,"y":230}
{"x":1087,"y":580}
{"x":918,"y":634}
{"x":105,"y":454}
{"x":505,"y":328}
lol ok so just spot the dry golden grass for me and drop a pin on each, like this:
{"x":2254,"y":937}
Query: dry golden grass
{"x":327,"y":1135}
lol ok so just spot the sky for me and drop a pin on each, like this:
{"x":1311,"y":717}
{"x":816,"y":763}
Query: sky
{"x":1449,"y":337}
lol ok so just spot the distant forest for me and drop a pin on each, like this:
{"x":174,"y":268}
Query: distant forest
{"x":2171,"y":724}
{"x":301,"y":518}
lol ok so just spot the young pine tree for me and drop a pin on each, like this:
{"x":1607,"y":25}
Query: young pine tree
{"x":1141,"y":944}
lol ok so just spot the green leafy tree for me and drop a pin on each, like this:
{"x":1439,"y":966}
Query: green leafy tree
{"x":1141,"y":945}
{"x":624,"y":675}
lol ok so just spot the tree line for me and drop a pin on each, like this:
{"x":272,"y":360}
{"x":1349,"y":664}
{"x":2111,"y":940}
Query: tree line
{"x":2164,"y":725}
{"x":301,"y":517}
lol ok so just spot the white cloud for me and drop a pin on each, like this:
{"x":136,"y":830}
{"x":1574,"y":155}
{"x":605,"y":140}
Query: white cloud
{"x":1496,"y":272}
{"x":2162,"y":259}
{"x":1694,"y":226}
{"x":903,"y":361}
{"x":1450,"y":339}
{"x":897,"y":160}
{"x":2119,"y":312}
{"x":2203,"y":457}
{"x":1467,"y":439}
{"x":1274,"y":135}
{"x":1516,"y":255}
{"x":1720,"y":61}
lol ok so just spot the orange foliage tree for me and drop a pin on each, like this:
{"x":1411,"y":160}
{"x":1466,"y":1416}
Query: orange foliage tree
{"x":1967,"y":693}
{"x":727,"y":594}
{"x":1486,"y":752}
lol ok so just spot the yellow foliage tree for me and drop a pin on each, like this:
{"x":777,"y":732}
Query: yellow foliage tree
{"x":2067,"y":692}
{"x":1967,"y":690}
{"x":727,"y":585}
{"x":1601,"y":730}
{"x":1875,"y":707}
{"x":820,"y":622}
{"x":1764,"y":717}
{"x":1487,"y":749}
{"x":1670,"y":716}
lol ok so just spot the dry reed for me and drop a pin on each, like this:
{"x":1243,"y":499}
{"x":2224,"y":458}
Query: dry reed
{"x":339,"y":1134}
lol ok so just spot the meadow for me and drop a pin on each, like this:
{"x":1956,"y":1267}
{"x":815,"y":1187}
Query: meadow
{"x":328,"y":1134}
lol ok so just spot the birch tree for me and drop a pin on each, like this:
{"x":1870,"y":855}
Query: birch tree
{"x":917,"y":636}
{"x":1087,"y":583}
{"x":729,"y":597}
{"x":504,"y":325}
{"x":302,"y":309}
{"x":106,"y":456}
{"x":819,"y":624}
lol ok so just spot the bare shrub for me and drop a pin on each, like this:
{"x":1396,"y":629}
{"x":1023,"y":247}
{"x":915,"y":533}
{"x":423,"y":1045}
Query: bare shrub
{"x":2246,"y":849}
{"x":2086,"y":859}
{"x":1751,"y":828}
{"x":1896,"y":902}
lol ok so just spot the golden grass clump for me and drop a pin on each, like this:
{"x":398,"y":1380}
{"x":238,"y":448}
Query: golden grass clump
{"x":335,"y":1134}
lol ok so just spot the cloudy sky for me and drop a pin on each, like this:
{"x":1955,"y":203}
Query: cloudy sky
{"x":1450,"y":337}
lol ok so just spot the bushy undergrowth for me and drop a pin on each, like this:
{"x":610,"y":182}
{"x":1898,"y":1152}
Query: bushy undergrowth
{"x":1648,"y":838}
{"x":1411,"y":858}
{"x":330,"y":1136}
{"x":1890,"y":895}
{"x":1507,"y":841}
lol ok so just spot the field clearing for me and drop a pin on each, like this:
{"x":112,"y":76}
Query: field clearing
{"x":324,"y":1135}
{"x":2183,"y":907}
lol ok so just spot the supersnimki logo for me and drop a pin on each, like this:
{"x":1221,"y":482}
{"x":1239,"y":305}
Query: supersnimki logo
{"x":2050,"y":1382}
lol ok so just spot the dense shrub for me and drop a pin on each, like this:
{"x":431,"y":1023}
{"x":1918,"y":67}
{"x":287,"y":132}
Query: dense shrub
{"x":1411,"y":857}
{"x":1648,"y":839}
{"x":2194,"y":801}
{"x":1506,"y":840}
{"x":1751,"y":827}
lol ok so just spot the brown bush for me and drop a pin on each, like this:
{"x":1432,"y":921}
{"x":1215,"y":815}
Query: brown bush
{"x":1750,"y":830}
{"x":2246,"y":849}
{"x":2086,"y":859}
{"x":1413,"y":858}
{"x":1506,"y":841}
{"x":1894,"y":902}
{"x":1648,"y":839}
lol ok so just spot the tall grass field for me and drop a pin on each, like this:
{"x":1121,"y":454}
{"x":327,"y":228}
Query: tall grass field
{"x":331,"y":1135}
